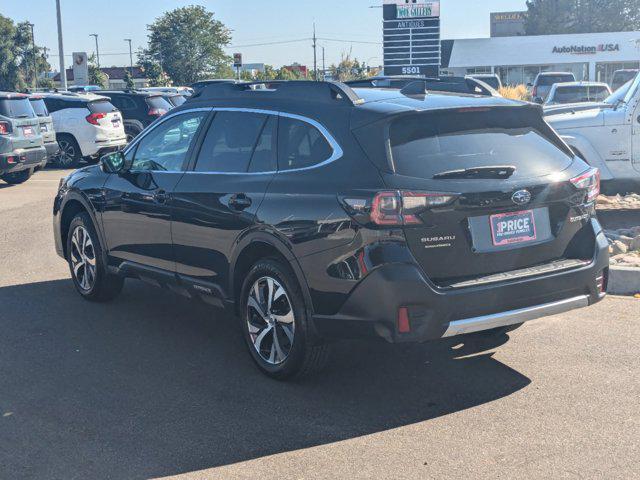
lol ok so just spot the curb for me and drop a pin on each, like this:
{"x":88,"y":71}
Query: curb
{"x":624,"y":281}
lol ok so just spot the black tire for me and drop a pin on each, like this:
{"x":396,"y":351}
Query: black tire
{"x":131,"y":132}
{"x":104,"y":286}
{"x":305,"y":355}
{"x":17,"y":177}
{"x":70,"y":154}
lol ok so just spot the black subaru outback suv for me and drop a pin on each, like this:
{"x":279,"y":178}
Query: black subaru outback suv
{"x":318,"y":211}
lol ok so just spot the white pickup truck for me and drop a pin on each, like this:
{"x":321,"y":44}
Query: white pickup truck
{"x":607,"y":134}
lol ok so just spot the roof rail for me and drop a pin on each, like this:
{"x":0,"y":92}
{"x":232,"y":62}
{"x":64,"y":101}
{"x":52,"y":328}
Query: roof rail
{"x":466,"y":85}
{"x":301,"y":90}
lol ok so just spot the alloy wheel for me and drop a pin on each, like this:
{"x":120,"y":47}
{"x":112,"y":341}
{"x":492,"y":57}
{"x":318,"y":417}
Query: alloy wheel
{"x":83,"y":258}
{"x":271,"y":320}
{"x":67,"y":153}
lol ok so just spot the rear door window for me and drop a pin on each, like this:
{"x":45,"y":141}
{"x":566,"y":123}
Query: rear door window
{"x":424,"y":145}
{"x":39,"y":107}
{"x":301,"y":145}
{"x":16,"y":108}
{"x":230,"y":142}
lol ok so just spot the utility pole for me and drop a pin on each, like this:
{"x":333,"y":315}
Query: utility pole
{"x":35,"y":58}
{"x":63,"y":71}
{"x":130,"y":55}
{"x":324,"y":68}
{"x":315,"y":53}
{"x":95,"y":35}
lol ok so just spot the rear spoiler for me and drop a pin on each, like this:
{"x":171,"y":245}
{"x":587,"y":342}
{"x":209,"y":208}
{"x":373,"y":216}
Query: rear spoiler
{"x":464,"y":85}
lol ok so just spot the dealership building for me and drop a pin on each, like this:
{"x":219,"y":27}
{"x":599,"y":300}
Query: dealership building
{"x":518,"y":59}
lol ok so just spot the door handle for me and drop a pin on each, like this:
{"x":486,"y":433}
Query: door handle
{"x":160,"y":196}
{"x":239,"y":202}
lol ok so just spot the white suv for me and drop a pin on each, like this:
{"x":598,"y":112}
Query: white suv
{"x":87,"y":126}
{"x":606,"y":134}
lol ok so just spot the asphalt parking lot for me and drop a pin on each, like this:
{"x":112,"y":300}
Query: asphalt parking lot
{"x":154,"y":386}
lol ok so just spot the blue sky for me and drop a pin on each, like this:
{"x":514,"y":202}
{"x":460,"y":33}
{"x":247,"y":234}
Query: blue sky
{"x":252,"y":22}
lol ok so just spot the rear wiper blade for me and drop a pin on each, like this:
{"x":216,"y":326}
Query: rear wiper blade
{"x":491,"y":172}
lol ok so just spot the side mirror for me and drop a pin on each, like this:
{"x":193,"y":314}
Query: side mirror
{"x":113,"y":162}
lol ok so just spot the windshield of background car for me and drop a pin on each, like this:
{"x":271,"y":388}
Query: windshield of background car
{"x":548,"y":80}
{"x":618,"y":95}
{"x":158,"y":102}
{"x":178,"y":100}
{"x":423,"y":145}
{"x":16,"y":108}
{"x":101,"y":106}
{"x":39,"y":107}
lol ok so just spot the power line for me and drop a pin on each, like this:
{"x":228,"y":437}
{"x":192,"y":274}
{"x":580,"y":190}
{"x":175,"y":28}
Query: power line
{"x":270,"y":43}
{"x":348,"y":41}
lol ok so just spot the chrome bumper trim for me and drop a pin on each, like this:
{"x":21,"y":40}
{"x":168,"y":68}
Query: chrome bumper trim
{"x":513,"y":317}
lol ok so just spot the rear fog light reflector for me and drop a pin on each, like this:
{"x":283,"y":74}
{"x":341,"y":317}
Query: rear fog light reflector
{"x":404,"y":325}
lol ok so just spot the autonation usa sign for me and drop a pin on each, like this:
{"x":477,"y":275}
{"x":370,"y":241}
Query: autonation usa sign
{"x":588,"y":49}
{"x":415,"y":8}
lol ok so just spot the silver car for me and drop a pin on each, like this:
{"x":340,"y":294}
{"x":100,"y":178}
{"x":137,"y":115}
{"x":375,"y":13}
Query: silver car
{"x":46,"y":126}
{"x":21,"y":143}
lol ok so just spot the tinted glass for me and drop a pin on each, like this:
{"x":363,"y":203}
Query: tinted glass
{"x":300,"y":145}
{"x":159,"y":103}
{"x":548,"y":80}
{"x":16,"y":108}
{"x":424,"y":145}
{"x":39,"y":107}
{"x":101,"y":106}
{"x":230,"y":142}
{"x":165,"y":148}
{"x":580,"y":94}
{"x":264,"y":157}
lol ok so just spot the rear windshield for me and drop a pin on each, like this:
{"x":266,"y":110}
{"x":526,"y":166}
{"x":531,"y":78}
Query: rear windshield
{"x":101,"y":106}
{"x":16,"y":108}
{"x":423,"y":145}
{"x":39,"y":107}
{"x":159,"y":103}
{"x":580,"y":94}
{"x":178,"y":100}
{"x":493,"y":82}
{"x":547,"y":80}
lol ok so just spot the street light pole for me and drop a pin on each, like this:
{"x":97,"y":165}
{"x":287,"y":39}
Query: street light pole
{"x":63,"y":71}
{"x":95,"y":35}
{"x":315,"y":54}
{"x":130,"y":56}
{"x":35,"y":59}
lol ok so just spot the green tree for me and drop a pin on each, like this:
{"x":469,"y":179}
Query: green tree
{"x":128,"y":80}
{"x":348,"y":69}
{"x":10,"y":76}
{"x":153,"y":71}
{"x":97,"y":76}
{"x":546,"y":17}
{"x":188,"y":42}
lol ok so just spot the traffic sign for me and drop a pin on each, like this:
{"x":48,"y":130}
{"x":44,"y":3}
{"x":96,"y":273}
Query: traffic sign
{"x":237,"y":60}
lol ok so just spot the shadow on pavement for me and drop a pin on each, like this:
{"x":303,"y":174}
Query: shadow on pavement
{"x":154,"y":385}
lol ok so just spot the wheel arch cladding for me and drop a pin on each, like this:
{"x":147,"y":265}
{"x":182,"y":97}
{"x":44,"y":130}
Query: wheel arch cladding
{"x":256,"y":250}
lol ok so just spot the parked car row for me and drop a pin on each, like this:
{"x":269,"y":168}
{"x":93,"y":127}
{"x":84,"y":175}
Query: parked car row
{"x":25,"y":137}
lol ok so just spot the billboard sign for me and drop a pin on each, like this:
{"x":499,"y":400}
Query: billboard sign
{"x":237,"y":60}
{"x":411,"y":37}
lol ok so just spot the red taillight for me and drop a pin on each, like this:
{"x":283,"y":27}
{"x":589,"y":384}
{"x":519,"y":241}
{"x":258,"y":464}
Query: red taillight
{"x":602,"y":282}
{"x":534,"y":92}
{"x":94,"y":117}
{"x":404,"y":208}
{"x":5,"y":128}
{"x":404,"y":324}
{"x":589,"y":181}
{"x":12,"y":160}
{"x":157,"y":112}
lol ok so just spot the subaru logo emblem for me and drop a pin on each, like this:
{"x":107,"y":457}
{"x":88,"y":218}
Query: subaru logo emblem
{"x":521,"y":197}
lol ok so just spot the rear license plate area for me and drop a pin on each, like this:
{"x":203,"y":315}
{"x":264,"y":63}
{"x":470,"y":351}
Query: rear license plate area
{"x":28,"y":131}
{"x":493,"y":233}
{"x":512,"y":228}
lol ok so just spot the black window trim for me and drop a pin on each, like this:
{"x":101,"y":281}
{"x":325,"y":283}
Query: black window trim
{"x":337,"y":151}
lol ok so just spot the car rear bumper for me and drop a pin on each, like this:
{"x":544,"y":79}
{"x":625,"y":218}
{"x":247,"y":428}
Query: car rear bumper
{"x":373,"y":307}
{"x":22,"y":159}
{"x":52,"y":149}
{"x":103,"y":146}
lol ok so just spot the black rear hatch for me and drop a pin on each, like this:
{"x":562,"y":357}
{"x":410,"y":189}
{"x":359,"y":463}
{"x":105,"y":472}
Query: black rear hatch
{"x":509,"y":177}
